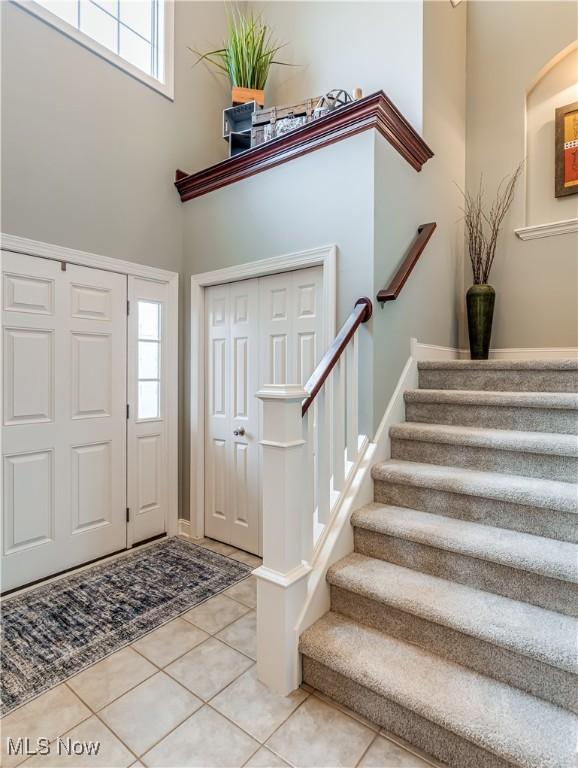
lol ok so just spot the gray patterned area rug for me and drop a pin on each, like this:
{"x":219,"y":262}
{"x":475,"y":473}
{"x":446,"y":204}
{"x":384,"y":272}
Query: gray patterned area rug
{"x":56,"y":630}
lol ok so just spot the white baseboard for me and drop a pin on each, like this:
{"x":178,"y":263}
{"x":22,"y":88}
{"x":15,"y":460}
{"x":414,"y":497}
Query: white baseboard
{"x":525,"y":353}
{"x":184,"y":528}
{"x":421,"y":351}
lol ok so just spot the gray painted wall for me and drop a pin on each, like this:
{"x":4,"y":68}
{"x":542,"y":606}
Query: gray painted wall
{"x":427,"y":307}
{"x":371,"y":45}
{"x":361,"y":195}
{"x":319,"y":199}
{"x":536,"y":281}
{"x":89,"y":153}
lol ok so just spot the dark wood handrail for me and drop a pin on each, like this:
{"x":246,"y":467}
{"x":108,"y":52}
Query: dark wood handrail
{"x":361,"y":313}
{"x":424,"y":232}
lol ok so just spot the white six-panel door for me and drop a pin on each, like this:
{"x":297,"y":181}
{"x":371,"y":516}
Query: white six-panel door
{"x":232,"y":424}
{"x":290,"y":326}
{"x":64,"y":416}
{"x":260,"y":331}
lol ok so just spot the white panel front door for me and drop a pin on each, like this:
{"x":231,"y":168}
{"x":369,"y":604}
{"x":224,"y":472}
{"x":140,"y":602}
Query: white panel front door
{"x":147,"y":425}
{"x":259,"y":331}
{"x":64,"y":420}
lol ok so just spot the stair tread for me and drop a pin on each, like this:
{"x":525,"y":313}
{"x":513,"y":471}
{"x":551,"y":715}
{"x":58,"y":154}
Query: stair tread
{"x":554,"y":444}
{"x":517,"y":489}
{"x":517,"y":727}
{"x":524,"y":551}
{"x":555,"y":400}
{"x":544,"y":635}
{"x":569,"y":364}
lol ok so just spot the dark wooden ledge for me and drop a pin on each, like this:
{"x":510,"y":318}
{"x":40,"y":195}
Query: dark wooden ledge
{"x":375,"y":111}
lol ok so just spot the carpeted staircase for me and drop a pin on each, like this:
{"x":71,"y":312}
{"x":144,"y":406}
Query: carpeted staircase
{"x":453,"y":624}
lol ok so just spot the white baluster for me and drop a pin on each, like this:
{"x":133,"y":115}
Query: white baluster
{"x":339,"y":425}
{"x":281,"y":580}
{"x":352,"y":399}
{"x":323,"y":448}
{"x":308,"y":528}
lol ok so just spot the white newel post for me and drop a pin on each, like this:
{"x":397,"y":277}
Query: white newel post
{"x":282,"y":579}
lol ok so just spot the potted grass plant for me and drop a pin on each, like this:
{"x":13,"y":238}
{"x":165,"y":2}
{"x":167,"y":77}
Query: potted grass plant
{"x":483,"y":224}
{"x":246,"y":57}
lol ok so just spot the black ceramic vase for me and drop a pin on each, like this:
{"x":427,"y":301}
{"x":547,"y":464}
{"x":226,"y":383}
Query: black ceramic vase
{"x":480,"y":302}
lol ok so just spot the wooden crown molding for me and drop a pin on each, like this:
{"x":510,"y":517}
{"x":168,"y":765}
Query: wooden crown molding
{"x":374,"y":111}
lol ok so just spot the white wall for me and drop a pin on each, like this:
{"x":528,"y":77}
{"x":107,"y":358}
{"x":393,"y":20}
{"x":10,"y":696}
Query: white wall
{"x":508,"y":45}
{"x":371,"y":45}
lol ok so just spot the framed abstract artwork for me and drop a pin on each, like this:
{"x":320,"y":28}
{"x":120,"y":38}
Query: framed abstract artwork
{"x":566,"y":151}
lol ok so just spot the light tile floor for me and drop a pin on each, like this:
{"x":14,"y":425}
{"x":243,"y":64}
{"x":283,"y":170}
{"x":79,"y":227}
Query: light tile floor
{"x":187,"y":695}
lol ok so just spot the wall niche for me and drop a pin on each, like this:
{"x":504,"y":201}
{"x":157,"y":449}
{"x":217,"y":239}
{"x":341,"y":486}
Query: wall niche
{"x":555,"y":86}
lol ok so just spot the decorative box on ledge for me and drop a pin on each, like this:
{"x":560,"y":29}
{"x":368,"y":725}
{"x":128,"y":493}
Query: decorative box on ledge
{"x":237,"y":123}
{"x":269,"y":123}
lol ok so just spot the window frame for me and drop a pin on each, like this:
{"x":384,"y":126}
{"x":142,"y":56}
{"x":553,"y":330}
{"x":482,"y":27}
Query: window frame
{"x":165,"y":88}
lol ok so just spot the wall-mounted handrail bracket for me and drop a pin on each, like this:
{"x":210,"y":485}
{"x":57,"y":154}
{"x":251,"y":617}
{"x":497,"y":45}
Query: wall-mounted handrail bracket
{"x":424,"y":232}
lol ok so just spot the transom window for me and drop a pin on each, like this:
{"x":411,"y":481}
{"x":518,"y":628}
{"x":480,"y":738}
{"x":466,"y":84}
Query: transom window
{"x":130,"y":33}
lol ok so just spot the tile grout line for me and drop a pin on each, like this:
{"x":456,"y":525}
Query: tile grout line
{"x":207,"y":703}
{"x":203,"y":701}
{"x":365,"y":751}
{"x":407,"y":747}
{"x":84,"y":720}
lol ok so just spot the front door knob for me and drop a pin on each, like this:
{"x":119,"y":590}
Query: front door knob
{"x":239,"y":432}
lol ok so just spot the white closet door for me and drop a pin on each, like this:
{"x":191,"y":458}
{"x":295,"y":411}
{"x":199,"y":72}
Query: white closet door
{"x":260,"y":331}
{"x":64,"y":416}
{"x":290,"y":326}
{"x":147,"y":397}
{"x":244,"y":498}
{"x":232,"y":422}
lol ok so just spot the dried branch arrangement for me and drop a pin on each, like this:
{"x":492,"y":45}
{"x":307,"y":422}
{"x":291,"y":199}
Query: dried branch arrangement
{"x":483,"y":223}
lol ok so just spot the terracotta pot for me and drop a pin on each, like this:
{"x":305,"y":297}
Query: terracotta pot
{"x":243,"y":95}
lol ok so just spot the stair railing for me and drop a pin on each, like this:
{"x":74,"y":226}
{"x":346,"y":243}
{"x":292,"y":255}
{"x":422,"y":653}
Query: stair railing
{"x":311,"y":444}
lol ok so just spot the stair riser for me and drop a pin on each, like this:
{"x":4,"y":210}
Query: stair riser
{"x":424,"y":734}
{"x":550,"y":523}
{"x":528,"y":587}
{"x":548,"y":467}
{"x":530,"y":675}
{"x":494,"y":417}
{"x":500,"y":380}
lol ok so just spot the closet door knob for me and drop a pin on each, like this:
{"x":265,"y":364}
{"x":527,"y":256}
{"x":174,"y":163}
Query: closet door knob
{"x":239,"y":432}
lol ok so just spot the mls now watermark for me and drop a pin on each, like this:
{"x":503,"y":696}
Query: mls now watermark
{"x":26,"y":747}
